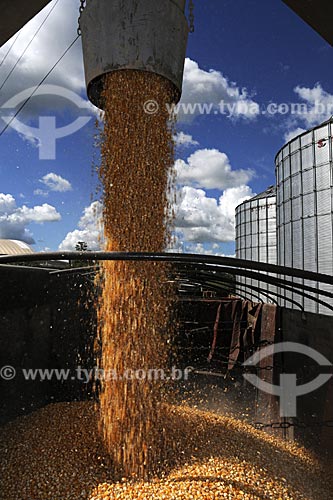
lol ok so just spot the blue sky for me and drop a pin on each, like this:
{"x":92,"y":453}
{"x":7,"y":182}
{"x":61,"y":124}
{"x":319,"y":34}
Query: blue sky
{"x":246,"y":53}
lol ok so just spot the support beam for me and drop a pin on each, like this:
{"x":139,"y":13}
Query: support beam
{"x":15,"y":14}
{"x":317,"y":13}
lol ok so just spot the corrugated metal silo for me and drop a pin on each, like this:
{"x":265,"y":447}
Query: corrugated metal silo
{"x":256,"y":238}
{"x":304,"y":172}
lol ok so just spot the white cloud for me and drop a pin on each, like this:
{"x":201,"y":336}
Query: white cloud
{"x":288,"y":136}
{"x":215,"y":249}
{"x":178,"y":245}
{"x":319,"y":104}
{"x":40,"y":192}
{"x":14,"y":220}
{"x":210,"y":169}
{"x":201,"y":219}
{"x":182,"y":139}
{"x":45,"y":49}
{"x":55,"y":182}
{"x":42,"y":54}
{"x":7,"y":203}
{"x":315,"y":107}
{"x":89,"y":230}
{"x":200,"y":86}
{"x":211,"y":87}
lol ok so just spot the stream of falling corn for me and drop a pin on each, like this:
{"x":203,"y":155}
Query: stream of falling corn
{"x":136,"y":172}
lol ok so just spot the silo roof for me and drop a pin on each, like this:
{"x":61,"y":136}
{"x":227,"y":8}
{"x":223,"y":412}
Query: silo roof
{"x":14,"y":247}
{"x":326,"y":122}
{"x":270,"y":191}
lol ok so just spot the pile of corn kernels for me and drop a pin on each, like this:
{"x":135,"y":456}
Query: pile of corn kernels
{"x":56,"y":453}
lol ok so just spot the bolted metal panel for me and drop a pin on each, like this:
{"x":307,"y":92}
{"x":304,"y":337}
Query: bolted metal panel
{"x":305,"y":209}
{"x":256,"y":237}
{"x":145,"y":35}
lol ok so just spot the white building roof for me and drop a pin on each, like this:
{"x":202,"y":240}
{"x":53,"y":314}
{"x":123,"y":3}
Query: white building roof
{"x":14,"y":247}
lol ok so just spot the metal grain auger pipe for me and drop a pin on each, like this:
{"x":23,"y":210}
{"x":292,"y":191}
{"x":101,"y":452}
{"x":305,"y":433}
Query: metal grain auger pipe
{"x":143,"y":35}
